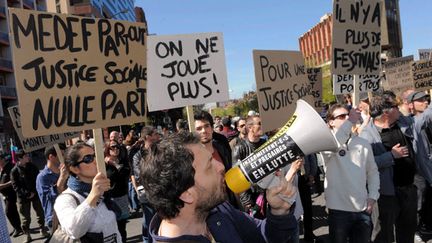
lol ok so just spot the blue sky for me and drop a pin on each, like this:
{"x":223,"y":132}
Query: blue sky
{"x":266,"y":25}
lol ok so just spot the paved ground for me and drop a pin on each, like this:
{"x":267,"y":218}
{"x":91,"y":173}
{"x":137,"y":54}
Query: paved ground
{"x":134,"y":226}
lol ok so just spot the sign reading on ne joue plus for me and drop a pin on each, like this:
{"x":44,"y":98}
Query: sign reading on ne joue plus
{"x":186,"y":70}
{"x":76,"y":73}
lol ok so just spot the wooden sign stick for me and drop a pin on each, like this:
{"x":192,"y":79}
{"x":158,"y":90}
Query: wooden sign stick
{"x":99,"y":148}
{"x":59,"y":153}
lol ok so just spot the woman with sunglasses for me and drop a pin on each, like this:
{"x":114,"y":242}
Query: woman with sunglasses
{"x":118,"y":171}
{"x":91,"y":216}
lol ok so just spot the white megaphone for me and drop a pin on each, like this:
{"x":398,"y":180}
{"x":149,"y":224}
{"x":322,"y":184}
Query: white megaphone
{"x":304,"y":133}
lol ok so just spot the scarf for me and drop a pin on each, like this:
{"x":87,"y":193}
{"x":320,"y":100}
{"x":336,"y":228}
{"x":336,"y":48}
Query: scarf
{"x":83,"y":189}
{"x":78,"y":186}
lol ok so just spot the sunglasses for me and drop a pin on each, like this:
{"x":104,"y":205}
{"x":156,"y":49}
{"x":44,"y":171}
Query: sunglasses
{"x":114,"y":147}
{"x":242,"y":125}
{"x":87,"y":159}
{"x":341,"y":116}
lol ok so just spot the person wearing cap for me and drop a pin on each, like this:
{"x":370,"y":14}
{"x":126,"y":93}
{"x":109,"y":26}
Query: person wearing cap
{"x":9,"y":195}
{"x":418,"y":103}
{"x":392,"y":137}
{"x":50,"y":182}
{"x":23,"y":177}
{"x":185,"y":184}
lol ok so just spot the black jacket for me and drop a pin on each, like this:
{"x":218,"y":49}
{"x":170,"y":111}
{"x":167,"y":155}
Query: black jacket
{"x":24,"y":180}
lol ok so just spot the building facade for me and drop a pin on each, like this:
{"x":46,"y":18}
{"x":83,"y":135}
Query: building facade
{"x":315,"y":44}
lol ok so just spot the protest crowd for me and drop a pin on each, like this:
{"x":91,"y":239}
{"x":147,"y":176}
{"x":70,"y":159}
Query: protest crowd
{"x":210,"y":178}
{"x":377,"y":184}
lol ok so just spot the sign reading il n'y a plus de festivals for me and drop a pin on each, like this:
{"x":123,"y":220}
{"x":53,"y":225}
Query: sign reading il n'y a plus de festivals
{"x":399,"y":75}
{"x":356,"y":38}
{"x":186,"y":70}
{"x":281,"y":79}
{"x":34,"y":143}
{"x":74,"y":73}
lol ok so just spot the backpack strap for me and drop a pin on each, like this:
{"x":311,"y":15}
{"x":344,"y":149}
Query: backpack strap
{"x":55,"y":221}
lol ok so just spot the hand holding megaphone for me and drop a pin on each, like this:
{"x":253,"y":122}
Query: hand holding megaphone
{"x":281,"y":197}
{"x":304,"y":133}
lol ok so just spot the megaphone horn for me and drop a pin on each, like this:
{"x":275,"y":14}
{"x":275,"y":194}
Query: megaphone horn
{"x":304,"y":133}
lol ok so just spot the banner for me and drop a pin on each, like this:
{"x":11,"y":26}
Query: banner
{"x":315,"y":79}
{"x":186,"y":70}
{"x":425,"y":54}
{"x":281,"y":79}
{"x":344,"y":84}
{"x":422,"y":74}
{"x":398,"y":74}
{"x":35,"y":143}
{"x":74,"y":73}
{"x":356,"y":37}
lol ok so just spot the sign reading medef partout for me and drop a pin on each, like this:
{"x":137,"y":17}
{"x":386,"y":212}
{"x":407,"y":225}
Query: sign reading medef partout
{"x":76,"y":73}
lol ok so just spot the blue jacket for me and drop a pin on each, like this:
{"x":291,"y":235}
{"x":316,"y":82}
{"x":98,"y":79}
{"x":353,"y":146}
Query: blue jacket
{"x":228,"y":225}
{"x":421,"y":144}
{"x":46,"y":187}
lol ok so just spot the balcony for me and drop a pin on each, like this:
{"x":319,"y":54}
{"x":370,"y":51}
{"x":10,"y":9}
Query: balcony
{"x":3,"y":12}
{"x":4,"y":38}
{"x":28,"y":4}
{"x":6,"y":65}
{"x":83,"y":9}
{"x":8,"y":92}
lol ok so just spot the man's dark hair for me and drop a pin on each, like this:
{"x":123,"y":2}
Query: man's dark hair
{"x":182,"y":125}
{"x":380,"y":104}
{"x":226,"y":122}
{"x":167,"y":172}
{"x":388,"y":94}
{"x":204,"y":116}
{"x":147,"y":131}
{"x":332,"y":108}
{"x":236,"y":123}
{"x":51,"y":150}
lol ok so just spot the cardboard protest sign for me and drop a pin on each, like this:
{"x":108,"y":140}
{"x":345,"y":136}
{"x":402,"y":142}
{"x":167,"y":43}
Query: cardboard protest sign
{"x":315,"y":79}
{"x":356,"y":41}
{"x":425,"y":54}
{"x":422,"y":74}
{"x":344,"y":84}
{"x":281,"y":79}
{"x":186,"y":70}
{"x":398,"y":74}
{"x":34,"y":143}
{"x":76,"y":73}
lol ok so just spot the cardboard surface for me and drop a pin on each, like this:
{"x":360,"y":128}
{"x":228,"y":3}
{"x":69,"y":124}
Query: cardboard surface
{"x":281,"y":79}
{"x":186,"y":70}
{"x":356,"y":37}
{"x":76,"y":73}
{"x":34,"y":143}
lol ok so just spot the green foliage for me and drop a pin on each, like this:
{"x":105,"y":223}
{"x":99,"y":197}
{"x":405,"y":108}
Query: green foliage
{"x":327,"y":95}
{"x":238,"y":107}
